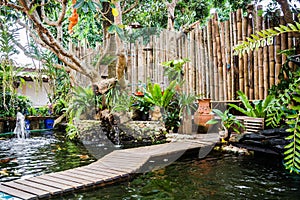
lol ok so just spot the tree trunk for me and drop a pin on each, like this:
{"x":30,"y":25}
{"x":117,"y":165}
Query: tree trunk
{"x":171,"y":14}
{"x":288,"y":16}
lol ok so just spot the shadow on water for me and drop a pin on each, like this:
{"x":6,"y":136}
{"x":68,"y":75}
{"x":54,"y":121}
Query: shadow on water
{"x":217,"y":176}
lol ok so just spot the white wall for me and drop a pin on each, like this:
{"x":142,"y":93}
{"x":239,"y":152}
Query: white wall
{"x":36,"y":92}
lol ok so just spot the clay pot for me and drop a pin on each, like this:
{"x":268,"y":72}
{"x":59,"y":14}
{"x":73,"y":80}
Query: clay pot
{"x":202,"y":115}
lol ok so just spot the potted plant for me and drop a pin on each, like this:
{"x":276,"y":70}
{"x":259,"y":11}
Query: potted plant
{"x":229,"y":123}
{"x":141,"y":108}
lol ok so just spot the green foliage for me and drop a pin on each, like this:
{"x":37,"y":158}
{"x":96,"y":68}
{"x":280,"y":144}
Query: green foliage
{"x":188,"y":12}
{"x":155,"y":95}
{"x":121,"y":101}
{"x":14,"y":103}
{"x":43,"y":111}
{"x":265,"y":37}
{"x":278,"y":109}
{"x":228,"y":120}
{"x":292,"y":152}
{"x":60,"y":107}
{"x":83,"y":103}
{"x":148,"y":14}
{"x":174,"y":69}
{"x":257,"y":110}
{"x":72,"y":130}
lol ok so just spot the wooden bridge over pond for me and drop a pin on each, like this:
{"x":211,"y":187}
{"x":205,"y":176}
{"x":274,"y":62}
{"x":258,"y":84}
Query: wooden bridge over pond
{"x":119,"y":165}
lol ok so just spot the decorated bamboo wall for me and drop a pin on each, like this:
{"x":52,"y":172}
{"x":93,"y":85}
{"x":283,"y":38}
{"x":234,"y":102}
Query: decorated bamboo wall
{"x":214,"y":71}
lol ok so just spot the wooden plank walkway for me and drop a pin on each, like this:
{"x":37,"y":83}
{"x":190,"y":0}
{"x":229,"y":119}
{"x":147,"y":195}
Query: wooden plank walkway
{"x":116,"y":166}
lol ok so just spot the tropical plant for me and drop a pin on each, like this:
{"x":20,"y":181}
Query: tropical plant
{"x":259,"y":108}
{"x":72,"y":130}
{"x":83,"y":103}
{"x":43,"y":111}
{"x":174,"y":69}
{"x":186,"y":103}
{"x":279,"y":108}
{"x":31,"y":111}
{"x":122,"y":102}
{"x":286,"y":102}
{"x":156,"y":96}
{"x":60,"y":107}
{"x":228,"y":120}
{"x":292,"y":152}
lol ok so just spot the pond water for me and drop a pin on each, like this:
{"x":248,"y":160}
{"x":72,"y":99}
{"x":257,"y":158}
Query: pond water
{"x":48,"y":152}
{"x":217,"y":176}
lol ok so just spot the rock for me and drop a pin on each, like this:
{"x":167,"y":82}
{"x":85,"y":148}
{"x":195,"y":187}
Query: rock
{"x":251,"y":136}
{"x":276,"y":141}
{"x":274,"y":132}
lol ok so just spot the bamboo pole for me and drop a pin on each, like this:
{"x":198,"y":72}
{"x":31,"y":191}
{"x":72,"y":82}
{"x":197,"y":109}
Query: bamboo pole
{"x":228,"y":59}
{"x":255,"y":65}
{"x":271,"y":59}
{"x":241,"y":60}
{"x":260,"y":61}
{"x":284,"y":42}
{"x":211,"y":63}
{"x":266,"y":70}
{"x":201,"y":70}
{"x":198,"y":61}
{"x":223,"y":56}
{"x":206,"y":64}
{"x":192,"y":52}
{"x":215,"y":53}
{"x":250,"y":53}
{"x":277,"y":58}
{"x":245,"y":57}
{"x":219,"y":58}
{"x":234,"y":60}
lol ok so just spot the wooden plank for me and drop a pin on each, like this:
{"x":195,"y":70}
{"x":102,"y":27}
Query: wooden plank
{"x":71,"y":178}
{"x":17,"y":193}
{"x":51,"y":189}
{"x":123,"y":163}
{"x":105,"y":165}
{"x":85,"y":176}
{"x":101,"y":172}
{"x":112,"y":169}
{"x":92,"y":175}
{"x":65,"y":188}
{"x":118,"y":165}
{"x":40,"y":193}
{"x":73,"y":184}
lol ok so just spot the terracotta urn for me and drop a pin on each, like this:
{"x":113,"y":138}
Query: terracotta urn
{"x":203,"y":114}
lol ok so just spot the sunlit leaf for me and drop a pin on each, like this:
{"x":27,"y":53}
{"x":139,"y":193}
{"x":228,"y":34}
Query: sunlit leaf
{"x":115,"y":12}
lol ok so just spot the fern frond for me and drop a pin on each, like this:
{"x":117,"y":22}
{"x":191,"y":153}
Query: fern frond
{"x":257,"y":40}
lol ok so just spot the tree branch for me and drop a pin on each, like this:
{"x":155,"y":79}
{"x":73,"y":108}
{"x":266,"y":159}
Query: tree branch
{"x":11,"y":5}
{"x":46,"y":36}
{"x":60,"y":18}
{"x":131,"y":7}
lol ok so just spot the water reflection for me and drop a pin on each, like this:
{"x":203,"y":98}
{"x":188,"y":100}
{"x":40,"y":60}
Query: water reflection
{"x":34,"y":156}
{"x":218,"y":176}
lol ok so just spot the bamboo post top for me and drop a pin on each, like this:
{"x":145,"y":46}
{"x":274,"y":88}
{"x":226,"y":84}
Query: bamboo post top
{"x":114,"y":167}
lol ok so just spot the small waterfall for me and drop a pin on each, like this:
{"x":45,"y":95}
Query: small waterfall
{"x":117,"y":136}
{"x":20,"y":129}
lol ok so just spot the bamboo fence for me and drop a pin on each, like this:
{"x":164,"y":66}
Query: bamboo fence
{"x":213,"y":71}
